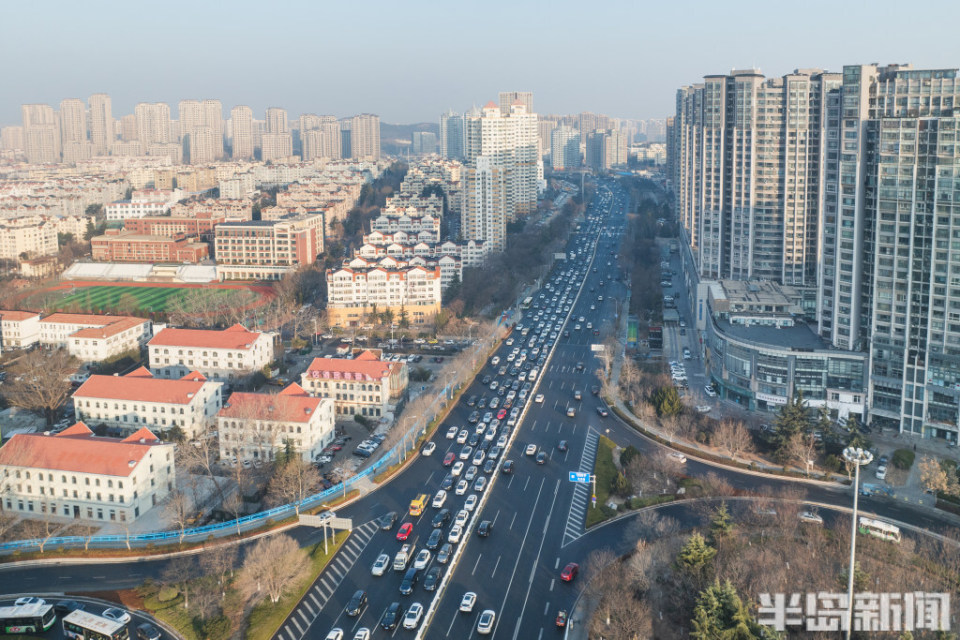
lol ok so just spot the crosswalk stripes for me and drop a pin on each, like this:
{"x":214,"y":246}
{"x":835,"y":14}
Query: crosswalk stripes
{"x":579,"y":503}
{"x":296,"y":628}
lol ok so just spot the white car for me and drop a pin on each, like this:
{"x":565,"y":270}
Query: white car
{"x":452,"y":433}
{"x":380,"y":565}
{"x":881,"y":472}
{"x":462,"y":436}
{"x":411,"y":620}
{"x":471,"y":502}
{"x":422,"y":560}
{"x":335,"y":634}
{"x":502,"y":441}
{"x":20,"y":602}
{"x":456,"y":532}
{"x":485,"y":623}
{"x":478,"y":458}
{"x":811,"y":517}
{"x":495,"y":361}
{"x":709,"y":391}
{"x":471,"y":473}
{"x":462,"y":516}
{"x":480,"y":484}
{"x":538,"y":398}
{"x":115,"y":613}
{"x":468,"y":601}
{"x":531,"y":450}
{"x":439,"y":499}
{"x":457,"y":468}
{"x":429,"y":448}
{"x":679,"y":457}
{"x":362,"y":634}
{"x":462,"y":487}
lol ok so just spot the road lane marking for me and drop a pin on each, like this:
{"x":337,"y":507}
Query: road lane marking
{"x":494,"y":572}
{"x":512,"y":520}
{"x":552,"y":581}
{"x":536,"y":560}
{"x":477,"y":564}
{"x":526,"y":483}
{"x":557,"y":563}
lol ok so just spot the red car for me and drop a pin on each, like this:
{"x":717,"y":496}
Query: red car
{"x":569,"y":572}
{"x":501,"y":414}
{"x":449,"y":458}
{"x":562,"y":619}
{"x":406,"y":529}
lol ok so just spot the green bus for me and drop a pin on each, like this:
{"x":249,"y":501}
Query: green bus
{"x":27,"y":618}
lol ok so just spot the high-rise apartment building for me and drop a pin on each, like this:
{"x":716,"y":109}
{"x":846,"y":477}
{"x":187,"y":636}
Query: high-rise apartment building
{"x":241,"y":119}
{"x":472,"y":135}
{"x":101,"y":123}
{"x":365,"y":137}
{"x":511,"y":142}
{"x":201,"y":130}
{"x":451,"y":135}
{"x":41,"y":133}
{"x":320,"y":137}
{"x":423,"y":142}
{"x":605,"y":149}
{"x":484,"y":210}
{"x":73,"y":131}
{"x":565,"y":148}
{"x":277,"y":142}
{"x":153,"y":124}
{"x":277,"y":120}
{"x":510,"y":98}
{"x":213,"y":118}
{"x":747,"y":174}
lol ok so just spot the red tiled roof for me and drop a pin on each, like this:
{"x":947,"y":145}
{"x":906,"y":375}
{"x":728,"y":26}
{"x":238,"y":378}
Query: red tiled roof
{"x":236,"y":337}
{"x":111,"y":329}
{"x":290,"y":405}
{"x":491,"y":105}
{"x":138,"y":387}
{"x":77,"y":450}
{"x":101,"y":326}
{"x":359,"y":368}
{"x":17,"y":316}
{"x":142,"y":372}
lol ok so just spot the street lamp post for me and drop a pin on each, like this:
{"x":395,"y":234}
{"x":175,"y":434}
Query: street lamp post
{"x":857,"y":457}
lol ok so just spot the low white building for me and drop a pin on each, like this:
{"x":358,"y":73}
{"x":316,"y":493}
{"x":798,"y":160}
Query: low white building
{"x":226,"y":356}
{"x":19,"y":329}
{"x":138,"y":399}
{"x":356,"y":288}
{"x":256,"y":426}
{"x":75,"y":474}
{"x":94,"y":338}
{"x":147,"y":202}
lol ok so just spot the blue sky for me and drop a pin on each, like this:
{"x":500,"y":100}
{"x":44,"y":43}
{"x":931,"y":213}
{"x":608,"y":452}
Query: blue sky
{"x":408,"y":61}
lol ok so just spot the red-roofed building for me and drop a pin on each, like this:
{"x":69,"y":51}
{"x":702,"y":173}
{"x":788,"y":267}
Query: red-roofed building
{"x":94,"y":338}
{"x":19,"y":329}
{"x":365,"y":386}
{"x":255,"y":426}
{"x":75,"y":474}
{"x":138,"y":399}
{"x":228,"y":355}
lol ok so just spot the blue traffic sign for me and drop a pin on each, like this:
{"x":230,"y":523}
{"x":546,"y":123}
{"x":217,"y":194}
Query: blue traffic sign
{"x":577,"y":476}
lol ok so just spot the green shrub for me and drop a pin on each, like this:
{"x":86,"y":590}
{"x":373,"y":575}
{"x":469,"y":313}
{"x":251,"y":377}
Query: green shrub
{"x":903,"y":458}
{"x":167,"y":594}
{"x":627,"y":455}
{"x":217,"y":628}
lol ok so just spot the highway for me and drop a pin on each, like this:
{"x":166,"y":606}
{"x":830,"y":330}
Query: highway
{"x":537,"y":513}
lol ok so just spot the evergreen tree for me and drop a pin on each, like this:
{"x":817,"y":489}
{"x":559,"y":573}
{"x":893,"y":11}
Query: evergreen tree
{"x":856,"y":438}
{"x":794,"y":418}
{"x":696,"y":555}
{"x":404,"y":320}
{"x":722,"y":524}
{"x":720,"y":614}
{"x":667,"y":402}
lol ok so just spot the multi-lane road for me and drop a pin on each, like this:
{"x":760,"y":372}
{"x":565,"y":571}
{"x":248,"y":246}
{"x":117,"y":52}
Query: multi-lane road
{"x":537,"y":513}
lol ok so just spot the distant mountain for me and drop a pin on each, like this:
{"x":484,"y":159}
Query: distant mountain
{"x":395,"y":139}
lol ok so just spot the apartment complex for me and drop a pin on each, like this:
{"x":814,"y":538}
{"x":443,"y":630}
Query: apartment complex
{"x":139,"y":399}
{"x":356,"y":289}
{"x":484,"y":215}
{"x":258,"y":426}
{"x":267,"y":249}
{"x":365,"y":385}
{"x":74,"y":474}
{"x":564,"y":148}
{"x":32,"y":236}
{"x":229,"y":355}
{"x":19,"y":329}
{"x":94,"y":338}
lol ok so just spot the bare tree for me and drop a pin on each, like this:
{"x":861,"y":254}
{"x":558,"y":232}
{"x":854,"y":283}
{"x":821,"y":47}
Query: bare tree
{"x":652,"y":475}
{"x":7,"y":521}
{"x":732,"y":436}
{"x":935,"y":478}
{"x":602,"y":571}
{"x":219,"y":562}
{"x":42,"y":530}
{"x":271,"y":567}
{"x":293,"y":481}
{"x":802,"y":449}
{"x":178,"y":510}
{"x":40,"y":381}
{"x":178,"y":573}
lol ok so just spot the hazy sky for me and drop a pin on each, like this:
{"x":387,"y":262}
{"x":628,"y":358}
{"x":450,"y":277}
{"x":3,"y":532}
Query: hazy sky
{"x":408,"y":61}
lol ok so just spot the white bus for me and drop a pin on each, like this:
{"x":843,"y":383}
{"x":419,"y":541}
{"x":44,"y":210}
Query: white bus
{"x":82,"y":625}
{"x":27,"y":618}
{"x":878,"y":529}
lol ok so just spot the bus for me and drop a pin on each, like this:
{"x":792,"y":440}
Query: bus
{"x":526,"y":302}
{"x":83,"y":625}
{"x":418,"y":504}
{"x":878,"y":529}
{"x":27,"y":618}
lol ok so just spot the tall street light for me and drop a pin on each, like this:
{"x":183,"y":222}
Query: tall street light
{"x":857,"y":457}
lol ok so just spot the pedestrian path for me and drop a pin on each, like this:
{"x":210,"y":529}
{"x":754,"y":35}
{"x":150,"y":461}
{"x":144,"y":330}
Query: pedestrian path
{"x":299,"y":621}
{"x":577,"y":517}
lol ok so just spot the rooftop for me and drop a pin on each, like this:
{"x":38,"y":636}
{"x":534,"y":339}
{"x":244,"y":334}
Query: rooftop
{"x":235,"y":337}
{"x":76,"y":449}
{"x":799,"y":336}
{"x":365,"y":366}
{"x":140,"y":385}
{"x":293,"y":404}
{"x":17,"y":316}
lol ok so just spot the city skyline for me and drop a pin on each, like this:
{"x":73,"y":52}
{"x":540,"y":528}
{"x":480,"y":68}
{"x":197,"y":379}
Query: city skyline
{"x":239,"y":53}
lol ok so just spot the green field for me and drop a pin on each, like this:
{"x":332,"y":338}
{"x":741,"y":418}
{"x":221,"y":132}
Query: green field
{"x":133,"y":298}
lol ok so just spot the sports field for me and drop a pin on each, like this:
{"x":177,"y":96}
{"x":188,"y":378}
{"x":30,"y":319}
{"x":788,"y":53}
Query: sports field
{"x":133,"y":298}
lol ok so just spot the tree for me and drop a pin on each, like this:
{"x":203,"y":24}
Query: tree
{"x":720,"y":614}
{"x":722,"y":524}
{"x":178,"y":509}
{"x":620,"y":485}
{"x":40,"y":381}
{"x":935,"y":478}
{"x":219,"y":561}
{"x":801,"y":449}
{"x":292,"y":481}
{"x":41,"y":530}
{"x":404,"y":321}
{"x":856,"y":438}
{"x":793,"y":419}
{"x":667,"y":402}
{"x":178,"y":573}
{"x":696,"y":555}
{"x":271,"y":567}
{"x":733,"y":436}
{"x":629,"y":454}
